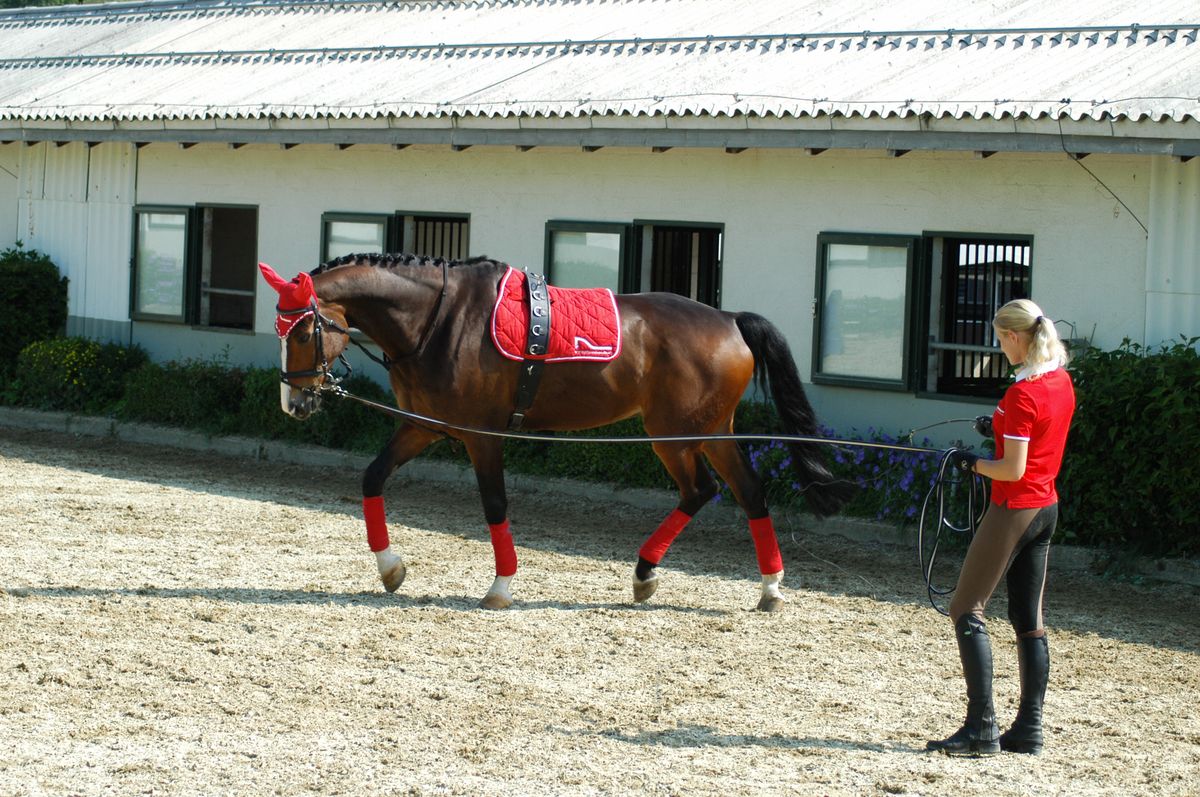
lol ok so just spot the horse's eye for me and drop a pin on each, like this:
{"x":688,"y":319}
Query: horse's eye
{"x":304,"y":336}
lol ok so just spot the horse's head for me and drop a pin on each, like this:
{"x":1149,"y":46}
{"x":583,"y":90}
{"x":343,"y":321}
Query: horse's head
{"x":311,"y":336}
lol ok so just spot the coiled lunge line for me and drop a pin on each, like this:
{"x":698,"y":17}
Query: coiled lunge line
{"x":937,"y":496}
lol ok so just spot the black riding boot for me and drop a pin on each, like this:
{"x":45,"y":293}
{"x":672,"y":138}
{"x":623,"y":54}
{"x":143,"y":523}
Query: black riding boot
{"x":978,"y":735}
{"x":1025,"y":735}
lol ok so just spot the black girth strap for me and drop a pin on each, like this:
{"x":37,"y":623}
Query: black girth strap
{"x":537,"y":343}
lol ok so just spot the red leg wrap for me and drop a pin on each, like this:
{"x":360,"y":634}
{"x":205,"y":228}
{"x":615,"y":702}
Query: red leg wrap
{"x":502,"y":547}
{"x":655,"y":548}
{"x":766,"y":546}
{"x":377,"y":536}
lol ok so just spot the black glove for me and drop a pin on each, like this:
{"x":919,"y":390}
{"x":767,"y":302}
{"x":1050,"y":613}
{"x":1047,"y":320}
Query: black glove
{"x":963,"y":461}
{"x":983,"y":426}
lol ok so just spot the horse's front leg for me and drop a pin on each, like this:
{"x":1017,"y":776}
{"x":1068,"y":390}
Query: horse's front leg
{"x":487,"y":456}
{"x":406,"y":443}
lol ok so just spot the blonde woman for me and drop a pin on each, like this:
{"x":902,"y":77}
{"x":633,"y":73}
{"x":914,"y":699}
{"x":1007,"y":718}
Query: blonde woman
{"x":1030,"y":429}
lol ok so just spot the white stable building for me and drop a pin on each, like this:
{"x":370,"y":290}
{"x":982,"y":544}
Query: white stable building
{"x":874,"y":177}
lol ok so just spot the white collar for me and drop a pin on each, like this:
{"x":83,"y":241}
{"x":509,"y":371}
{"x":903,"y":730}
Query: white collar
{"x":1036,"y":370}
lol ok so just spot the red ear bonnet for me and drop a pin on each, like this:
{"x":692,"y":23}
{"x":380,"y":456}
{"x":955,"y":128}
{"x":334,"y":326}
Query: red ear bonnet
{"x":295,"y":298}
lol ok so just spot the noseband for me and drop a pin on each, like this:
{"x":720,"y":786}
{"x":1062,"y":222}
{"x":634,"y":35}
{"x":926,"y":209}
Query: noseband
{"x":320,"y":362}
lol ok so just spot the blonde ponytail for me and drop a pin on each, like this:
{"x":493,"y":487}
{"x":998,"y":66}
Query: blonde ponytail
{"x":1022,"y":315}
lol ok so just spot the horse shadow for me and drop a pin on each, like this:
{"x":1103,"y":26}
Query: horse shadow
{"x":380,"y":601}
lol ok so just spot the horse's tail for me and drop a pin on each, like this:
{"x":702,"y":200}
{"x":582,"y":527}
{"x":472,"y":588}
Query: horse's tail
{"x":775,"y":366}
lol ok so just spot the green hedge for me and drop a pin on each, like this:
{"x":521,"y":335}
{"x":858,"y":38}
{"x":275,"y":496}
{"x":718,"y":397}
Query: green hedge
{"x":34,"y":297}
{"x":213,"y":397}
{"x":1131,"y":467}
{"x":73,"y":374}
{"x":1127,"y":481}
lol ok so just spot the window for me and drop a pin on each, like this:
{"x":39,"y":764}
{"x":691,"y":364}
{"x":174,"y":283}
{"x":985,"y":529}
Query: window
{"x":195,"y":265}
{"x":586,"y":255}
{"x":976,"y":275}
{"x":914,"y":312}
{"x":228,"y":267}
{"x":160,"y":263}
{"x":431,"y":234}
{"x":672,"y":257}
{"x":860,"y":329}
{"x":679,"y":257}
{"x":353,"y":233}
{"x":435,"y":235}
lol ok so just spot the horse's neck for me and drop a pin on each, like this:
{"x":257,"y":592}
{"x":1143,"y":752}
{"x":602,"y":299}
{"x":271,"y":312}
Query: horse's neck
{"x":390,"y":308}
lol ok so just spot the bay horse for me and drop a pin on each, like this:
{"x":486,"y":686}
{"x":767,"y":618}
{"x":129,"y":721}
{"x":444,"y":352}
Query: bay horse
{"x":683,"y":367}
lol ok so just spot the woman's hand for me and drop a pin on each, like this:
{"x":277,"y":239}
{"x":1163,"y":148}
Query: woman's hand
{"x":1011,"y":467}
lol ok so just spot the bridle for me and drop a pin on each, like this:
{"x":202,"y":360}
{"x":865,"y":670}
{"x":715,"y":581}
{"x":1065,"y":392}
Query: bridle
{"x":321,"y":366}
{"x":320,"y":361}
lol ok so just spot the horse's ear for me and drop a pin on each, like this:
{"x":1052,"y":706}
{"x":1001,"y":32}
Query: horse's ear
{"x":294,"y":294}
{"x":274,"y":280}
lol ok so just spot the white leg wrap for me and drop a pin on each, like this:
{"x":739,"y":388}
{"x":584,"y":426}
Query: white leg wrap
{"x":391,"y":568}
{"x":500,"y":588}
{"x":771,"y":584}
{"x":498,"y":597}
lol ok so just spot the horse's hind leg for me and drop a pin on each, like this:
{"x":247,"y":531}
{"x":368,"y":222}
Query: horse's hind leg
{"x":696,"y":488}
{"x":487,"y":457}
{"x":731,"y":463}
{"x":406,"y":443}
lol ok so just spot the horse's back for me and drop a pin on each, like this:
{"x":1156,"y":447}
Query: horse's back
{"x":681,"y":325}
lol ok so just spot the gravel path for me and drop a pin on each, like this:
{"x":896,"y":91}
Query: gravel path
{"x":178,"y":623}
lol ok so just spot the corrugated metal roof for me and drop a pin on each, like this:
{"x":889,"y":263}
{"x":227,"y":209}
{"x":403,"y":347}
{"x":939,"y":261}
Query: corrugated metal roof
{"x":570,"y":59}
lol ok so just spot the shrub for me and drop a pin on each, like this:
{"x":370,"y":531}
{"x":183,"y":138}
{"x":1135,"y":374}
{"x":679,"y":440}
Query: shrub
{"x":341,"y":423}
{"x":195,"y":394}
{"x":892,"y":483}
{"x":620,"y":464}
{"x":1130,"y":469}
{"x":34,"y":297}
{"x":74,"y":374}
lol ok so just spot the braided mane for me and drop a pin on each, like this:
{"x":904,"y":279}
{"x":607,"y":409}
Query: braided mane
{"x":392,"y":261}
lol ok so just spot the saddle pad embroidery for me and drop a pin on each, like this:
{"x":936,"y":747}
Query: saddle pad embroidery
{"x":585,"y":325}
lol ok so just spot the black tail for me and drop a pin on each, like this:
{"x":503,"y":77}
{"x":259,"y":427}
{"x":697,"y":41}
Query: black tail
{"x":775,"y":366}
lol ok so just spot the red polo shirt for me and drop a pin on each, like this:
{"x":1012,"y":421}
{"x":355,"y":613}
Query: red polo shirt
{"x":1037,"y":410}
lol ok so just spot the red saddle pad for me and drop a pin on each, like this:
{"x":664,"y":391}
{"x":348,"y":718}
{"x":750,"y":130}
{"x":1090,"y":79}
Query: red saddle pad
{"x":585,"y":325}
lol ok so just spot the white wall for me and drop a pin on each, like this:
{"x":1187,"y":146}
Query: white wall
{"x":1173,"y":259}
{"x":9,"y":168}
{"x":1089,"y":253}
{"x":74,"y":204}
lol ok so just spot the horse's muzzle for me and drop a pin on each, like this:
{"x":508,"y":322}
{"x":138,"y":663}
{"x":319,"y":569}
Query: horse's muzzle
{"x":300,"y":403}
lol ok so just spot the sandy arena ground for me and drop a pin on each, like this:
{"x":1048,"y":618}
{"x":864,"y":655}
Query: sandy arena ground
{"x":177,"y":623}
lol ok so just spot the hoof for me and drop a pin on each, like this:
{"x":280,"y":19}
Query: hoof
{"x":495,"y":602}
{"x":498,"y":596}
{"x":394,"y":577}
{"x":642,"y":590}
{"x":770,"y":603}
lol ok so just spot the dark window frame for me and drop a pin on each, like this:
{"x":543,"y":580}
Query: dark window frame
{"x":188,"y":214}
{"x":606,"y":227}
{"x":192,"y":259}
{"x":913,"y":245}
{"x":709,"y":287}
{"x":195,"y":275}
{"x":929,"y":293}
{"x":388,"y":220}
{"x":400,"y":221}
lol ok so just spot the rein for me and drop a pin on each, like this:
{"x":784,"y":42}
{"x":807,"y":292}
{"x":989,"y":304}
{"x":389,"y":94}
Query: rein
{"x":430,"y":323}
{"x":935,"y":497}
